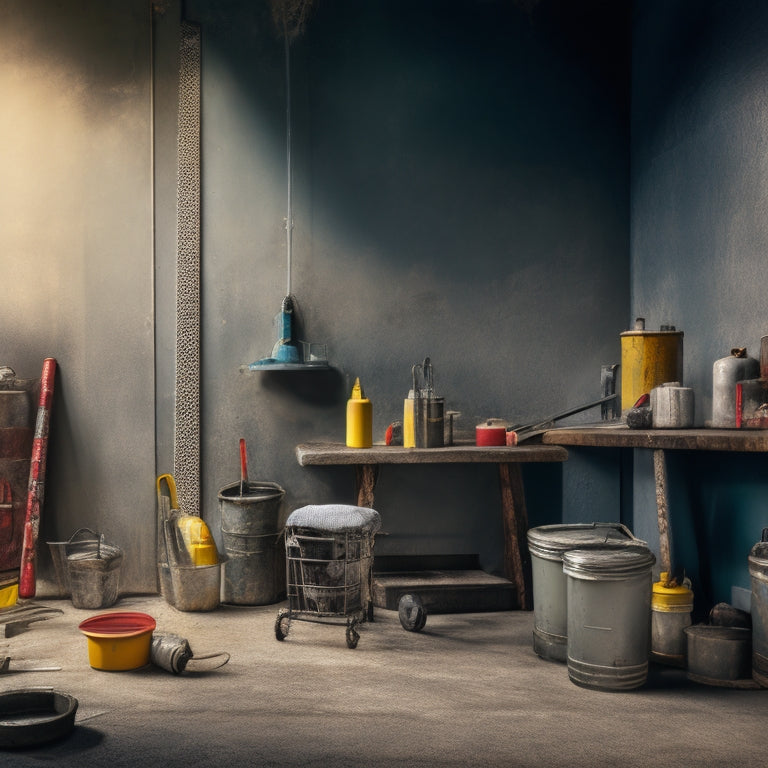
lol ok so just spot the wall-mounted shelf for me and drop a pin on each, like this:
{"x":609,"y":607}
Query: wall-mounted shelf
{"x":319,"y":366}
{"x":311,"y":366}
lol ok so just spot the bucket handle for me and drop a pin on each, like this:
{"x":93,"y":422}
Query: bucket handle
{"x":94,"y":535}
{"x":171,"y":483}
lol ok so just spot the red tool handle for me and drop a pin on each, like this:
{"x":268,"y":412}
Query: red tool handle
{"x":36,"y":487}
{"x":243,"y":463}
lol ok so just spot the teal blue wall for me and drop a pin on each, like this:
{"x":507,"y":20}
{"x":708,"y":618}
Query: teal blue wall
{"x":699,"y":236}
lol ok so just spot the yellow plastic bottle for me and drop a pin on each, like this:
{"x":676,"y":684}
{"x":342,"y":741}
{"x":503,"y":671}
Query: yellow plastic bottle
{"x":359,"y":419}
{"x":409,"y":436}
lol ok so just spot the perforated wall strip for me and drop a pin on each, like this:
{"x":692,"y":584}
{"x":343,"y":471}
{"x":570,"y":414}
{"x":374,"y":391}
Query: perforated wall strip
{"x":186,"y":442}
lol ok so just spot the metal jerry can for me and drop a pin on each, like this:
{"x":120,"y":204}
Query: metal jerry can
{"x":726,"y":372}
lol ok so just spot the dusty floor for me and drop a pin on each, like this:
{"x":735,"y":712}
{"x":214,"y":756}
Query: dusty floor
{"x":466,"y":691}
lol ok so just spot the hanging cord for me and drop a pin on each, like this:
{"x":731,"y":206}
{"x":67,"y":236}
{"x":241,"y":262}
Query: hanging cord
{"x":289,"y":169}
{"x":290,"y":17}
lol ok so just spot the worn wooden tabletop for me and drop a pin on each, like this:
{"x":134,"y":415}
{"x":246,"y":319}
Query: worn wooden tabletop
{"x":329,"y":454}
{"x":747,"y":440}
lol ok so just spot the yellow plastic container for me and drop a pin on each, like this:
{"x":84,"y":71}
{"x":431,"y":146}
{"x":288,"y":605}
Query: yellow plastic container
{"x":118,"y":641}
{"x":409,"y":435}
{"x":9,"y":595}
{"x":359,"y":419}
{"x":194,"y":532}
{"x":198,"y":540}
{"x":648,"y":359}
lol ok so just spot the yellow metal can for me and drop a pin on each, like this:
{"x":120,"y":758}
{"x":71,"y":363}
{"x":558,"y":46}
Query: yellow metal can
{"x":648,"y":359}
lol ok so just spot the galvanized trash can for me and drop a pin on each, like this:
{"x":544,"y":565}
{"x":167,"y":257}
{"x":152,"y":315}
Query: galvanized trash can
{"x":94,"y":575}
{"x":758,"y":572}
{"x":254,"y":573}
{"x":547,"y":545}
{"x":609,"y":617}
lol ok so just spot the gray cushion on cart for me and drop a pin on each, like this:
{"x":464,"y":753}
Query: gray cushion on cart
{"x":335,"y":518}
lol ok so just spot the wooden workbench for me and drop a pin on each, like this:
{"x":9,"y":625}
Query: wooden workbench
{"x":659,"y":441}
{"x":745,"y":440}
{"x":366,"y":462}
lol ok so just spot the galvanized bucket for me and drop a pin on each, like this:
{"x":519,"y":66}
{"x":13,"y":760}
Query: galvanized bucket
{"x":94,"y":575}
{"x":609,"y":617}
{"x":255,"y":571}
{"x":720,"y":656}
{"x":196,"y":587}
{"x":252,"y":513}
{"x":547,"y":545}
{"x":82,"y":541}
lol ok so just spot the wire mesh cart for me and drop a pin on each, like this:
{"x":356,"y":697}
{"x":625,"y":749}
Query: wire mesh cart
{"x":329,"y":554}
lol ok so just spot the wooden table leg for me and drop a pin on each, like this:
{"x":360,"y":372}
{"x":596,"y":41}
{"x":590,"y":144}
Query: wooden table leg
{"x":365,"y":483}
{"x":517,"y":563}
{"x":662,"y":510}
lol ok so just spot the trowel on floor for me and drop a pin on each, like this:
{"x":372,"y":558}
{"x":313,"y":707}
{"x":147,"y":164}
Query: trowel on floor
{"x":16,"y":620}
{"x":5,"y":668}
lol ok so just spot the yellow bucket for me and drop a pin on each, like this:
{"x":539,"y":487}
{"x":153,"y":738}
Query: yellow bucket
{"x":118,"y":641}
{"x":648,"y":359}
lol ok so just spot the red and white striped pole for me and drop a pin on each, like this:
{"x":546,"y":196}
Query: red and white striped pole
{"x":36,"y":487}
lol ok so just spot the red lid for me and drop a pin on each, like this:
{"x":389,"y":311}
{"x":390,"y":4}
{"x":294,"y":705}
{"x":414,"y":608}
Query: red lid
{"x":123,"y":623}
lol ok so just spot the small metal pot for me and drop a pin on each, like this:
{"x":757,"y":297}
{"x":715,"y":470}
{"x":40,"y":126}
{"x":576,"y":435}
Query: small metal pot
{"x":720,"y":656}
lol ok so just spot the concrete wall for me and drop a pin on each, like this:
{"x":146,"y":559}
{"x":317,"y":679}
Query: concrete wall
{"x":460,"y":191}
{"x":460,"y":176}
{"x":698,"y":254}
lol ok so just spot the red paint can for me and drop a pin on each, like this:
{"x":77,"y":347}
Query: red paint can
{"x":491,"y":432}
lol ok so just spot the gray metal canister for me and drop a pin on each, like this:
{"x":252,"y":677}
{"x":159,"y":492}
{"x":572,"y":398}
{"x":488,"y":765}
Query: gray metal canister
{"x":547,"y":545}
{"x":609,"y":617}
{"x":726,"y":372}
{"x":672,"y":406}
{"x":758,"y":572}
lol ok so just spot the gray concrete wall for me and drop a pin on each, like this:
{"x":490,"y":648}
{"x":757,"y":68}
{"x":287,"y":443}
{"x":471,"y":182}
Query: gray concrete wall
{"x":461,"y":191}
{"x":698,"y":250}
{"x":460,"y":176}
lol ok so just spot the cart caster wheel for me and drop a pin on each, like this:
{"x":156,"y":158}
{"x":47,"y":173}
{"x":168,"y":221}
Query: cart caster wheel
{"x":282,"y":623}
{"x":352,"y":635}
{"x":413,"y":617}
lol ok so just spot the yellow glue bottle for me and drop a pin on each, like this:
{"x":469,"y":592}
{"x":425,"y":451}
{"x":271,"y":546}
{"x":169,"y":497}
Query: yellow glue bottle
{"x":359,"y":419}
{"x":409,"y":436}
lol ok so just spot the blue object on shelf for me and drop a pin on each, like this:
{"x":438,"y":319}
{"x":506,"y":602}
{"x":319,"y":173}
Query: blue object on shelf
{"x":286,"y":356}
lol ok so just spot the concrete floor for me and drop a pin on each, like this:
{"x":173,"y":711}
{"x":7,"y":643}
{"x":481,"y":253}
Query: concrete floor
{"x":466,"y":691}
